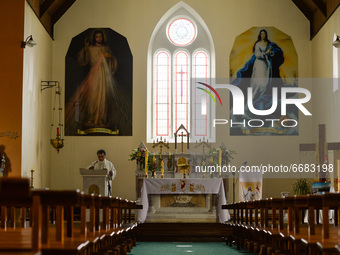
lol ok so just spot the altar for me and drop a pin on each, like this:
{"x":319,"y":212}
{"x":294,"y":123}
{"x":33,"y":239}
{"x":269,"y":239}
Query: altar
{"x":186,"y":205}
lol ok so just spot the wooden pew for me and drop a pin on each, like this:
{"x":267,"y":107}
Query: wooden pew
{"x":330,"y":234}
{"x":294,"y":237}
{"x":321,"y":238}
{"x":15,"y":193}
{"x":47,"y":238}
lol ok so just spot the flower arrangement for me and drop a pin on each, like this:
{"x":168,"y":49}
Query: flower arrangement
{"x":227,"y":155}
{"x":153,"y":164}
{"x":138,"y":154}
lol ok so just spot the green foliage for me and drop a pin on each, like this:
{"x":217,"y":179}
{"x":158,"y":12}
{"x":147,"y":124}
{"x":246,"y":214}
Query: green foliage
{"x":227,"y":155}
{"x":302,"y":187}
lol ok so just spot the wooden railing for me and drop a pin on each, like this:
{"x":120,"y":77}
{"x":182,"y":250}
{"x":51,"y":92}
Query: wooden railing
{"x":259,"y":226}
{"x":52,"y":229}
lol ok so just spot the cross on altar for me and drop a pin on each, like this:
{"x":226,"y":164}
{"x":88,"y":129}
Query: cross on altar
{"x":181,"y":127}
{"x":182,"y":143}
{"x":321,"y":148}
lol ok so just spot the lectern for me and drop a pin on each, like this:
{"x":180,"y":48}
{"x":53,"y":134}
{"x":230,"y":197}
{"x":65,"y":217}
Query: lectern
{"x":94,"y":181}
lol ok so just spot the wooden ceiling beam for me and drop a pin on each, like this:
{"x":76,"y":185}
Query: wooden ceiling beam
{"x":61,"y":11}
{"x":317,"y":12}
{"x":45,"y":6}
{"x":304,"y":9}
{"x":322,"y":6}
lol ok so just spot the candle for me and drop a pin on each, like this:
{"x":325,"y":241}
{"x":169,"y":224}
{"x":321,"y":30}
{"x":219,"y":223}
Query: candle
{"x":337,"y":184}
{"x":153,"y":158}
{"x":162,"y":167}
{"x":58,"y":131}
{"x":219,"y":161}
{"x":146,"y":161}
{"x":169,"y":155}
{"x":220,"y":157}
{"x":203,"y":165}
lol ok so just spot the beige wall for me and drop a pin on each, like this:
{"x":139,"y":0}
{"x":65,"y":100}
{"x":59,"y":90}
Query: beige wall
{"x":37,"y":107}
{"x":136,"y":21}
{"x":326,"y":104}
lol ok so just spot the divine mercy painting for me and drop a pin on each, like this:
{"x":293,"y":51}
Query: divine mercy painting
{"x":264,"y":59}
{"x":98,"y":84}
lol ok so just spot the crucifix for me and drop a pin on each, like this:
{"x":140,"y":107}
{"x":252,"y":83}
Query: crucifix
{"x":321,"y":157}
{"x":182,"y":143}
{"x":182,"y":135}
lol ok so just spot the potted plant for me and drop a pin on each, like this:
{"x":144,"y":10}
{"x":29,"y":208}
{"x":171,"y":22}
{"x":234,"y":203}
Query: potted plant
{"x":302,"y":187}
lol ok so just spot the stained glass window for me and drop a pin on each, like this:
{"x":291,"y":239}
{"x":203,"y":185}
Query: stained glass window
{"x":181,"y":90}
{"x":162,"y":93}
{"x":201,"y":73}
{"x":182,"y":32}
{"x":177,"y":63}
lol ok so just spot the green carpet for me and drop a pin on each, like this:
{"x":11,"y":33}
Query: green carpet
{"x":167,"y":248}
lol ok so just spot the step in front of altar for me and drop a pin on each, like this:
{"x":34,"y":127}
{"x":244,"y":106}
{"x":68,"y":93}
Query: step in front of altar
{"x":182,"y":208}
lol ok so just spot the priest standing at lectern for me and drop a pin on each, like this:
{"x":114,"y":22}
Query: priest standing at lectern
{"x":103,"y":164}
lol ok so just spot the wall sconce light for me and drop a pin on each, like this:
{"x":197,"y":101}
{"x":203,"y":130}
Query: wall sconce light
{"x":29,"y":42}
{"x":336,"y":43}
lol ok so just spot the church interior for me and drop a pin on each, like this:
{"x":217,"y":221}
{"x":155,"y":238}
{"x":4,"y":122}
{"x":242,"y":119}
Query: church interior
{"x":160,"y":103}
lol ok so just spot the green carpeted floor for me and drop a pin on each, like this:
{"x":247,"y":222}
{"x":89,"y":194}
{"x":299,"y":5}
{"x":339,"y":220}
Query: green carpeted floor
{"x":167,"y":248}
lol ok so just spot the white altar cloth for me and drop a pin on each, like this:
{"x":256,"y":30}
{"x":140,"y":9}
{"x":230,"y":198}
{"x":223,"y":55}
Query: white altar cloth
{"x":183,"y":186}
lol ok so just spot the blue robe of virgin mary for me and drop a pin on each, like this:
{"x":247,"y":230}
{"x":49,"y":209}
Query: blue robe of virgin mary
{"x":246,"y":78}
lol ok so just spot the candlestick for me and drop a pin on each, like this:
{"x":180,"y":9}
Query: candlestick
{"x":219,"y":162}
{"x":220,"y":157}
{"x":162,"y":167}
{"x":146,"y":162}
{"x":203,"y":171}
{"x":337,"y":180}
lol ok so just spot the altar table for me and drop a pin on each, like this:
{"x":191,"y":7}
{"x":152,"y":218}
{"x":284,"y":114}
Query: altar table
{"x":182,"y":187}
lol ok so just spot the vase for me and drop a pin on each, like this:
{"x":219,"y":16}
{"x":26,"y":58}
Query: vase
{"x":140,"y":165}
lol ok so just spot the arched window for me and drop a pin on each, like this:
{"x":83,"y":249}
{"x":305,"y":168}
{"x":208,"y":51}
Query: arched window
{"x":181,"y":52}
{"x":162,"y":93}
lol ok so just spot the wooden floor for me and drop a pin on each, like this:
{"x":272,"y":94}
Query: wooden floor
{"x":183,"y":232}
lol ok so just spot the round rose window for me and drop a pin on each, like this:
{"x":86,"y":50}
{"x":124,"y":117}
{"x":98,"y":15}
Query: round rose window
{"x":182,"y":32}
